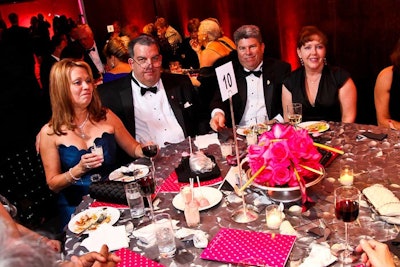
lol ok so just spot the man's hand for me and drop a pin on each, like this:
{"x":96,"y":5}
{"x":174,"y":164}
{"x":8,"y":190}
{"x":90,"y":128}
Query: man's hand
{"x":94,"y":259}
{"x":375,"y":254}
{"x":217,"y":122}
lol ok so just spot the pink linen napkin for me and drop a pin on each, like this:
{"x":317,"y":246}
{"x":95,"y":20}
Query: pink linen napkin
{"x":133,"y":259}
{"x":243,"y":246}
{"x":171,"y":184}
{"x":107,"y":204}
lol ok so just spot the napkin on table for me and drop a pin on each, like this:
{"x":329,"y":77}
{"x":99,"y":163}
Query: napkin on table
{"x":113,"y":236}
{"x":320,"y":256}
{"x":203,"y":141}
{"x":147,"y":234}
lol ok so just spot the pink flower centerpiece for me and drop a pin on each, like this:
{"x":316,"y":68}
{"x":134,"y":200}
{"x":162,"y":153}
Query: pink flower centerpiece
{"x":289,"y":156}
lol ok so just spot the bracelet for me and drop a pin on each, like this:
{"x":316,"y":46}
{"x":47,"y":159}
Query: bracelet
{"x":68,"y":179}
{"x":72,"y":176}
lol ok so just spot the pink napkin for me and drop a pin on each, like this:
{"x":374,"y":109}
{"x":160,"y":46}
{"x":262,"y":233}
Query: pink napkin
{"x":133,"y":259}
{"x":107,"y":204}
{"x":242,"y":246}
{"x":171,"y":184}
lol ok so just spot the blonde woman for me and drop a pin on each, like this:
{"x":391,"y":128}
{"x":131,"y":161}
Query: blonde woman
{"x":116,"y":53}
{"x":78,"y":123}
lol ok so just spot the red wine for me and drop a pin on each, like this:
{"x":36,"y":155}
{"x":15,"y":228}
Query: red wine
{"x":147,"y":185}
{"x":150,"y":150}
{"x":347,"y":210}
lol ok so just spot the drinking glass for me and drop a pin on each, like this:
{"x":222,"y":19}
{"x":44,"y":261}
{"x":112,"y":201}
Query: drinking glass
{"x":150,"y":149}
{"x":134,"y":199}
{"x":147,"y":188}
{"x":347,"y":204}
{"x":165,"y":235}
{"x":294,"y":113}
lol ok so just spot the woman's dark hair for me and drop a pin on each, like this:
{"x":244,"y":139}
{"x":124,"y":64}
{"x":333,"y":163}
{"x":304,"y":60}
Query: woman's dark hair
{"x":307,"y":34}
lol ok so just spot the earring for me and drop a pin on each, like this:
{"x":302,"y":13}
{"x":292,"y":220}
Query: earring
{"x":112,"y":65}
{"x":325,"y":62}
{"x":301,"y":61}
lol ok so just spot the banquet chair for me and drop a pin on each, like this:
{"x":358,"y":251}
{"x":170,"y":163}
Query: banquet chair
{"x":23,"y":183}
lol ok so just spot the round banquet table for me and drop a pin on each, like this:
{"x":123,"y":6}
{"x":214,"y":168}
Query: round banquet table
{"x":375,"y":162}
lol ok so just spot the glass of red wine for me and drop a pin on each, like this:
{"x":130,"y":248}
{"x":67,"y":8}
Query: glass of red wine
{"x":347,"y":206}
{"x":147,"y":188}
{"x":150,"y":149}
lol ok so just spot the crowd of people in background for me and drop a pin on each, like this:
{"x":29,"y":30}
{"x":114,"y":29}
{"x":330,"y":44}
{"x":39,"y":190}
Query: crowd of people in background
{"x":129,"y":66}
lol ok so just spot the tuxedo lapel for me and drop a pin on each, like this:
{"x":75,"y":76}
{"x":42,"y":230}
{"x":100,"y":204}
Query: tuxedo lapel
{"x":127,"y":104}
{"x":268,"y":90}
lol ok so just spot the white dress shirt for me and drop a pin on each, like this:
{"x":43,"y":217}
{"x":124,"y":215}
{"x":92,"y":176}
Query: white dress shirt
{"x":94,"y":55}
{"x":154,"y":116}
{"x":255,"y":104}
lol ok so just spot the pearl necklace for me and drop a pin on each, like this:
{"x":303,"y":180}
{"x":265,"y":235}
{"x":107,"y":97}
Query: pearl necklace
{"x":80,"y":127}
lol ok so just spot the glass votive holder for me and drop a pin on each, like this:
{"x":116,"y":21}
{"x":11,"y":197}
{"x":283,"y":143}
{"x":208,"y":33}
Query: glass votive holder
{"x":226,"y":149}
{"x":251,"y":138}
{"x":346,"y":175}
{"x":273,"y":217}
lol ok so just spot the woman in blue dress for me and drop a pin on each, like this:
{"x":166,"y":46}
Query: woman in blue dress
{"x":325,"y":92}
{"x":78,"y":123}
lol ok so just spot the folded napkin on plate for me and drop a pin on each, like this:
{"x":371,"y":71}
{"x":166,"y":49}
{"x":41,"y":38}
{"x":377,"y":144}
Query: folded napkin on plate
{"x":383,"y":200}
{"x":113,"y":236}
{"x":203,"y":141}
{"x":147,"y":234}
{"x":320,"y":256}
{"x":132,"y":259}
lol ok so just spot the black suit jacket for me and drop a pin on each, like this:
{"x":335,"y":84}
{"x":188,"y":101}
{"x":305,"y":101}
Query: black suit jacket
{"x":117,"y":96}
{"x":274,"y":72}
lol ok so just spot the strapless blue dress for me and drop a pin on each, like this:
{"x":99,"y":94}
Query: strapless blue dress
{"x":70,"y":197}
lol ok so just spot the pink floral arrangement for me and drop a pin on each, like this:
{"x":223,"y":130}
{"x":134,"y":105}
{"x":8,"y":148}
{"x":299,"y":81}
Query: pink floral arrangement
{"x":289,"y":156}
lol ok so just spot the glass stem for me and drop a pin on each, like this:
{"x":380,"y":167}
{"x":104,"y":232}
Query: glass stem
{"x":152,"y":165}
{"x":150,"y":206}
{"x":346,"y":237}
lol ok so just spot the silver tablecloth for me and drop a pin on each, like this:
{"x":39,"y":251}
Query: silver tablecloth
{"x":374,"y":162}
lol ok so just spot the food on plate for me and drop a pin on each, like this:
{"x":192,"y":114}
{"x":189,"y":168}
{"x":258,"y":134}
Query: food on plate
{"x":203,"y":201}
{"x":87,"y":219}
{"x":259,"y":129}
{"x":317,"y":127}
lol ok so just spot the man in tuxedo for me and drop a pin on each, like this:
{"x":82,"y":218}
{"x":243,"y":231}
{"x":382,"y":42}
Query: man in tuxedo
{"x":259,"y":81}
{"x":150,"y":102}
{"x":93,"y":55}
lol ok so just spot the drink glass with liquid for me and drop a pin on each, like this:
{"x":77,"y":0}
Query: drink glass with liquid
{"x":294,"y":113}
{"x":165,"y":235}
{"x":134,"y":199}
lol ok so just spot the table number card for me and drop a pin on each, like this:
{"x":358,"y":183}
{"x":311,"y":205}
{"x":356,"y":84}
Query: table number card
{"x":226,"y":80}
{"x":249,"y":247}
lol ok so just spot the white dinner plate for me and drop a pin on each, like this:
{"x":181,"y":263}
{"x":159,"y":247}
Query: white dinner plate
{"x":212,"y":194}
{"x":314,"y":126}
{"x":89,"y":216}
{"x":118,"y":174}
{"x":244,"y":130}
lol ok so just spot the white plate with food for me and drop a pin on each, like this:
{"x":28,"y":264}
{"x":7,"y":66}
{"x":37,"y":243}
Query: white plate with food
{"x":129,"y":173}
{"x":212,"y":195}
{"x":88,"y":217}
{"x":314,"y":126}
{"x":260,"y":128}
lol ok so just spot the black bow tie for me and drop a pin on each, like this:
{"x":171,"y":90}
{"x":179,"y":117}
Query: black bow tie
{"x":91,"y":49}
{"x":256,"y":73}
{"x":143,"y":90}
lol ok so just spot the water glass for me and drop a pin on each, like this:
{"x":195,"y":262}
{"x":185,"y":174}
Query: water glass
{"x":165,"y":235}
{"x":134,"y":199}
{"x":251,"y":138}
{"x":294,"y":113}
{"x":226,"y":149}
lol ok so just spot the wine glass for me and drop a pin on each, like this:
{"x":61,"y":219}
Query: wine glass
{"x":347,"y":204}
{"x":294,"y":113}
{"x":147,"y":188}
{"x":150,"y":149}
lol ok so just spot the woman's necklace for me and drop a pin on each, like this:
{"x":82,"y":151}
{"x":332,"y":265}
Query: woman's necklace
{"x":81,"y":127}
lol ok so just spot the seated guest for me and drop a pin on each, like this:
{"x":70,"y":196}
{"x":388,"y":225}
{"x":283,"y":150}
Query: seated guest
{"x":187,"y":56}
{"x":387,"y":92}
{"x":259,"y":81}
{"x":211,"y":44}
{"x":78,"y":122}
{"x":117,"y":60}
{"x":151,"y":102}
{"x":20,"y":248}
{"x":166,"y":31}
{"x":375,"y":254}
{"x":325,"y":92}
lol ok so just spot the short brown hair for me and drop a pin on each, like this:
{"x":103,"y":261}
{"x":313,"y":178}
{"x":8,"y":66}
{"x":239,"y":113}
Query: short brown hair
{"x":306,"y":34}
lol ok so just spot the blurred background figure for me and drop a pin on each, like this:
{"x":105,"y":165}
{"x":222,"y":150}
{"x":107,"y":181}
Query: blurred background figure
{"x":117,"y":56}
{"x":387,"y":92}
{"x":131,"y":30}
{"x":166,"y":31}
{"x":325,"y":92}
{"x":187,"y":56}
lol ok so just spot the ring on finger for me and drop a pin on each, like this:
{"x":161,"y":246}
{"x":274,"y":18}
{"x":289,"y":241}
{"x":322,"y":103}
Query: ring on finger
{"x":88,"y":166}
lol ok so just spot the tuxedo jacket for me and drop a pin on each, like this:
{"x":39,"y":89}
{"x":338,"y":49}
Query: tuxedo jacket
{"x":274,"y":72}
{"x":117,"y":96}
